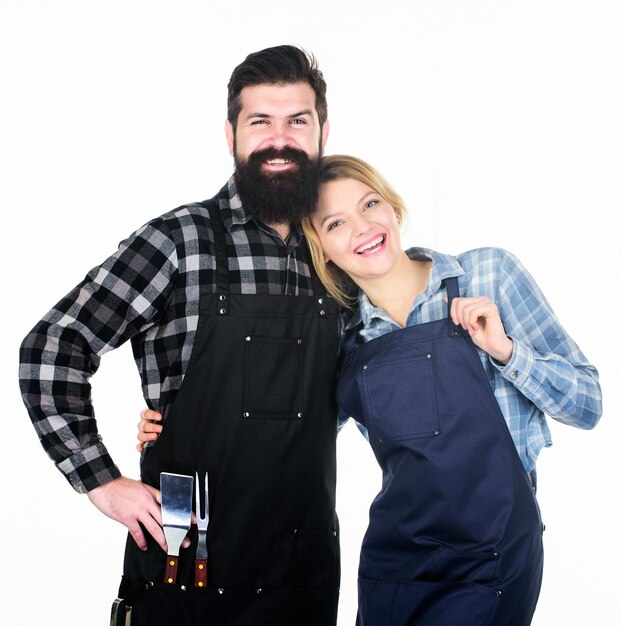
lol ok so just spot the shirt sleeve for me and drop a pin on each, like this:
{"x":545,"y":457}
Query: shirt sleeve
{"x":118,"y":299}
{"x":546,"y":365}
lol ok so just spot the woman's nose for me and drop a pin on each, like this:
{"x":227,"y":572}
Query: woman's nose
{"x":361,"y":225}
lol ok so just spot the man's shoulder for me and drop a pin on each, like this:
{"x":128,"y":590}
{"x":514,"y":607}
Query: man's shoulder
{"x":184,"y":220}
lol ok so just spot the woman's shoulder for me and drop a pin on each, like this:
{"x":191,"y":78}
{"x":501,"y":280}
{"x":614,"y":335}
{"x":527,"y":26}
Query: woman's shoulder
{"x":486,"y":268}
{"x":486,"y":256}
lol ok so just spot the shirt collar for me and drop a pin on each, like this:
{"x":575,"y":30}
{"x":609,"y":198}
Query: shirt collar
{"x":234,"y":214}
{"x":443,"y":266}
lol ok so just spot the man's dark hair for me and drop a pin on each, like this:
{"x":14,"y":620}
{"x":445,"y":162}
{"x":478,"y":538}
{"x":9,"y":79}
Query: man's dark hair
{"x":280,"y":65}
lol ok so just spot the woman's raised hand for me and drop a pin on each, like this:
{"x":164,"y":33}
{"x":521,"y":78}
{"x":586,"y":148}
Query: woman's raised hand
{"x":480,"y":318}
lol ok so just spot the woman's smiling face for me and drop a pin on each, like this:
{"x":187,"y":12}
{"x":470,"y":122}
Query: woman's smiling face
{"x":358,"y":229}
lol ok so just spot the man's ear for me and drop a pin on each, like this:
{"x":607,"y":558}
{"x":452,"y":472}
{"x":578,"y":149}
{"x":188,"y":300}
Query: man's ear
{"x":230,"y":134}
{"x":325,"y":129}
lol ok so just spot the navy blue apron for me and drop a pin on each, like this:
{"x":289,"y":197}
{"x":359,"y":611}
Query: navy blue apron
{"x":257,"y":410}
{"x":455,"y":535}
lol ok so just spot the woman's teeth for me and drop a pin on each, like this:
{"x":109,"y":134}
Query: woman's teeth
{"x":374,"y":243}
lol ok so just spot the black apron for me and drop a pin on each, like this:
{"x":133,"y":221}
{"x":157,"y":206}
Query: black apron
{"x":257,"y":411}
{"x":455,"y":536}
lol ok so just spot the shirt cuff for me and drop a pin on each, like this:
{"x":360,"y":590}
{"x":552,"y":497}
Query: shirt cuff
{"x":89,"y":468}
{"x":518,"y":369}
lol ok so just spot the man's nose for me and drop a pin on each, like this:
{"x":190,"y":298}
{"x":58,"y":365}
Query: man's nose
{"x":280,"y":137}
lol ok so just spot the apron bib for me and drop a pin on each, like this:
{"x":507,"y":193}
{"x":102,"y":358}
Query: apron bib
{"x":257,"y":411}
{"x":455,"y":535}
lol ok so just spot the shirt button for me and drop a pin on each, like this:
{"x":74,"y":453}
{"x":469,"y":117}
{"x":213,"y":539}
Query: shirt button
{"x":513,"y":374}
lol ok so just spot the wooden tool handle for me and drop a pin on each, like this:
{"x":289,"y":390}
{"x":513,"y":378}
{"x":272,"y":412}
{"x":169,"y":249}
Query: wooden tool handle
{"x":170,"y":574}
{"x":200,"y":573}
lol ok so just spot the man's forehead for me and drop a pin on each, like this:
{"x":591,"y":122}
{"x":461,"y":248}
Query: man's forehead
{"x":295,"y":95}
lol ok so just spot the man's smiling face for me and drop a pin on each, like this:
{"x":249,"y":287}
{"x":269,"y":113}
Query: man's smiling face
{"x":277,"y":145}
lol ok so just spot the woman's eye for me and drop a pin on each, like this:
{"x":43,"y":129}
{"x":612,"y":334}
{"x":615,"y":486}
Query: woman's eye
{"x":334,"y":224}
{"x":370,"y":204}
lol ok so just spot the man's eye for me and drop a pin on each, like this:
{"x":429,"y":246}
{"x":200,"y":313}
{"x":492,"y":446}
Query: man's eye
{"x":255,"y":122}
{"x":298,"y":120}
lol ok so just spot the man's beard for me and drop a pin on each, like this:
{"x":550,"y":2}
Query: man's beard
{"x":278,"y":197}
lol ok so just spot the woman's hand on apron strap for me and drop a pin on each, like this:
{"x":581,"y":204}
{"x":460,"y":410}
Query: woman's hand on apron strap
{"x":480,"y":318}
{"x":149,"y":427}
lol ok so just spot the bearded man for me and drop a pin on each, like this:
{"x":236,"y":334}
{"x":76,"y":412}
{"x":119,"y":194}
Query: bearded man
{"x":235,"y":343}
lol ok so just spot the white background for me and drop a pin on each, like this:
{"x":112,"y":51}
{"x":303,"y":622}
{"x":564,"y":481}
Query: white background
{"x":498,"y":121}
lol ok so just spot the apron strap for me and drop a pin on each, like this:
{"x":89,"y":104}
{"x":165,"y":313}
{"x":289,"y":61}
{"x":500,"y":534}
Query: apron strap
{"x":451,"y":285}
{"x":222,"y":263}
{"x":319,"y":291}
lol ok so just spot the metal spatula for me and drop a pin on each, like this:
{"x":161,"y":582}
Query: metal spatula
{"x":176,"y":493}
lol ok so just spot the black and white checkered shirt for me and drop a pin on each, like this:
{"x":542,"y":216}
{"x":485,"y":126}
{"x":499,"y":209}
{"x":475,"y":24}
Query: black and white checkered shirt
{"x":148,"y":291}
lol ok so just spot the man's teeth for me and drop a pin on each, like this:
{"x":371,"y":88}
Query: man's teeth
{"x":372,"y":244}
{"x":277,"y":161}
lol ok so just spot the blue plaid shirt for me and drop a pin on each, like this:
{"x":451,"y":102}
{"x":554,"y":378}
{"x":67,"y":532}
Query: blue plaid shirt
{"x":546,"y":374}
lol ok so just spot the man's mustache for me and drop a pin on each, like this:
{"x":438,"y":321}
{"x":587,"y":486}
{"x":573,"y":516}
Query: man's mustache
{"x":293,"y":155}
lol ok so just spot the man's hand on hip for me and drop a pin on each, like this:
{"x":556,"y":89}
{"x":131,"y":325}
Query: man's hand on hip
{"x":132,"y":503}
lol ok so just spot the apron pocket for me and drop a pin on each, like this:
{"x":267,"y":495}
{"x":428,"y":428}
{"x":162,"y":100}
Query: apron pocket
{"x":449,"y":565}
{"x":403,"y":603}
{"x":273,"y":378}
{"x":314,"y":558}
{"x":412,"y":410}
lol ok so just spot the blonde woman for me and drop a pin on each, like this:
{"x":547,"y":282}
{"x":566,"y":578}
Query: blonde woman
{"x":449,"y":364}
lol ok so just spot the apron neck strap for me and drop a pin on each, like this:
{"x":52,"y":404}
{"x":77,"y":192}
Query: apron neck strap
{"x":222,"y":263}
{"x":319,"y":291}
{"x":451,"y":285}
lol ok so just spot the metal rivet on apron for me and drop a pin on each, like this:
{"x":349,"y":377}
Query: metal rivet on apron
{"x":246,"y":414}
{"x":183,"y":587}
{"x":364,"y":367}
{"x":295,"y":531}
{"x":322,"y":312}
{"x":222,"y":311}
{"x":149,"y":584}
{"x":499,"y":593}
{"x":437,"y":432}
{"x":222,"y":298}
{"x":299,"y":415}
{"x":320,"y":300}
{"x":428,"y":355}
{"x":454,"y":333}
{"x":334,"y":533}
{"x":379,"y":439}
{"x":259,"y":590}
{"x":221,"y":591}
{"x":300,"y":342}
{"x":495,"y":554}
{"x":247,"y":339}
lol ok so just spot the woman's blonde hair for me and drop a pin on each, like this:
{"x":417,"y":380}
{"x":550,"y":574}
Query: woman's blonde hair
{"x":340,"y":167}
